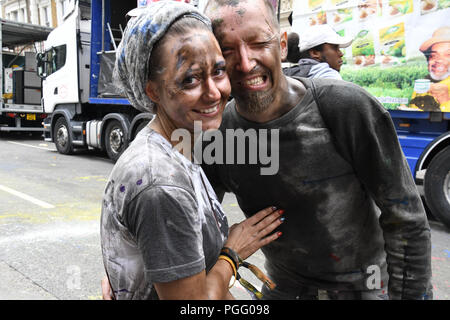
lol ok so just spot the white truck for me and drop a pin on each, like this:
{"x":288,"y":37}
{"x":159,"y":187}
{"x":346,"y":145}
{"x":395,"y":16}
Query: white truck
{"x":85,"y":110}
{"x":20,"y":106}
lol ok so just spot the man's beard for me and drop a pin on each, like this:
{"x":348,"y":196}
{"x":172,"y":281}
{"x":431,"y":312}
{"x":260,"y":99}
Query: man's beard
{"x":439,"y":77}
{"x":255,"y":102}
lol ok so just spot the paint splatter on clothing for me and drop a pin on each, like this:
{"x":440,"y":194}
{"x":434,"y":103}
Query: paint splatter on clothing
{"x":349,"y":198}
{"x":161,"y":220}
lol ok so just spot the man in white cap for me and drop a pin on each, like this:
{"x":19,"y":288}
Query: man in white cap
{"x":320,"y":54}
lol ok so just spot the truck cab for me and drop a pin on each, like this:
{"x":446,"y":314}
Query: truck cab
{"x":85,"y":109}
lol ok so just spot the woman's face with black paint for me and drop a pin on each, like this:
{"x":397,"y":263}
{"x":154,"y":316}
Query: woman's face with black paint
{"x":192,"y":84}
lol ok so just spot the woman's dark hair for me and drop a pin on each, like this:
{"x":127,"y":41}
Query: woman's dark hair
{"x":181,"y":26}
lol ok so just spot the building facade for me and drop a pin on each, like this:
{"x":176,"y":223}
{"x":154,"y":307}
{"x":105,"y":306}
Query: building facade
{"x":47,"y":13}
{"x":50,"y":13}
{"x":285,"y":11}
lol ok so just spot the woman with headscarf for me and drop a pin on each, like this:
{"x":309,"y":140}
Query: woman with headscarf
{"x":163,"y":232}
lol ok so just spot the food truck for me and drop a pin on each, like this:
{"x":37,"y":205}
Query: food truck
{"x":400,"y":54}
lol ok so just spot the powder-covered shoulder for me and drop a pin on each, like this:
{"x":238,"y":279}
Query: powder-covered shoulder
{"x":148,"y":162}
{"x":346,"y":97}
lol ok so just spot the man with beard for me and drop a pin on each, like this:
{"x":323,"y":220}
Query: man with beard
{"x":355,"y":224}
{"x":437,"y":51}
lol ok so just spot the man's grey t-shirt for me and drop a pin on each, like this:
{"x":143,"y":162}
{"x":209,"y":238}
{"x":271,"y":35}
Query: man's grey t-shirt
{"x":348,"y":195}
{"x":161,"y":220}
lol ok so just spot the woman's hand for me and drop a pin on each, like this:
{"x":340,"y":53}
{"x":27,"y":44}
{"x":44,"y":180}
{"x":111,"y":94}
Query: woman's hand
{"x":251,"y":234}
{"x":106,"y":289}
{"x":244,"y":238}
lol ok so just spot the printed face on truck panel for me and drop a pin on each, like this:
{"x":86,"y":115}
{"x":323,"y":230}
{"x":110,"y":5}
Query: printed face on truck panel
{"x":192,"y":84}
{"x":439,"y":61}
{"x":251,"y":46}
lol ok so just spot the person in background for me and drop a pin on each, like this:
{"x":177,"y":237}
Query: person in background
{"x":319,"y":53}
{"x":164,"y":234}
{"x":293,"y":55}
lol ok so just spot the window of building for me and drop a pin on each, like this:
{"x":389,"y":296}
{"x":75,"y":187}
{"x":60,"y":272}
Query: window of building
{"x":46,"y":14}
{"x":14,"y":15}
{"x":65,"y":7}
{"x":24,"y":15}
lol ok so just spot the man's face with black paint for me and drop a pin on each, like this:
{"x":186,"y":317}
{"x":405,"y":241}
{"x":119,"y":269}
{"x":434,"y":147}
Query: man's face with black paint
{"x":250,"y":44}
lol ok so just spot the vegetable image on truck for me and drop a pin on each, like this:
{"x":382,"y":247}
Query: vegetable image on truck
{"x":401,"y":55}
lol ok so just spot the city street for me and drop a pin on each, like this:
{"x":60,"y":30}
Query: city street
{"x":49,"y":224}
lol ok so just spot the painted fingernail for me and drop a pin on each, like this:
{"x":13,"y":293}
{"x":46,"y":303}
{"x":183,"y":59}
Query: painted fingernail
{"x":282,"y":219}
{"x":281,"y":211}
{"x":274,"y":208}
{"x":279,"y":233}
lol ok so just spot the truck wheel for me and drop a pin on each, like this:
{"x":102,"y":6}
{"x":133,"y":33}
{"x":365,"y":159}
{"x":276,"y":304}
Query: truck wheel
{"x":115,"y":142}
{"x":62,"y":138}
{"x":437,"y":186}
{"x":141,"y":126}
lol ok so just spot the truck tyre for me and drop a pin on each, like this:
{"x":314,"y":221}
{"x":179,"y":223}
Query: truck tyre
{"x":437,"y":186}
{"x":115,"y":141}
{"x":61,"y":137}
{"x":140,"y":126}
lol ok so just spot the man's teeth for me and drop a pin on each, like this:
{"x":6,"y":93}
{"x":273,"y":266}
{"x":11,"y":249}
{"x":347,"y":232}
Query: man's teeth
{"x":210,"y":110}
{"x":255,"y":81}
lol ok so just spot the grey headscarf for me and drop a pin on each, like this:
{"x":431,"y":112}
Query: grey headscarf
{"x":150,"y":24}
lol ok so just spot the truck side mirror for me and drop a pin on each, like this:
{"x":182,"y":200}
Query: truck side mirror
{"x":40,"y":59}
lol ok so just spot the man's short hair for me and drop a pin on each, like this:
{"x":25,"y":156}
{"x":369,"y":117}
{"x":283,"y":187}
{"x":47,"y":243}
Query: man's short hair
{"x":292,"y":45}
{"x":267,"y":3}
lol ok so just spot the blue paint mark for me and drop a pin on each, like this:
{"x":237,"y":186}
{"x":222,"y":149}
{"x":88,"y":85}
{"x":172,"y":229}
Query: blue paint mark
{"x":154,"y":27}
{"x":325,"y":179}
{"x":425,"y":296}
{"x":122,"y":57}
{"x":122,"y":188}
{"x":139,"y":182}
{"x":122,"y":290}
{"x":447,"y":252}
{"x":403,"y":201}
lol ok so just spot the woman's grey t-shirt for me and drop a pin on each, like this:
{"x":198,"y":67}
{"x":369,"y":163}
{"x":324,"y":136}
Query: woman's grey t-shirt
{"x":161,"y":220}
